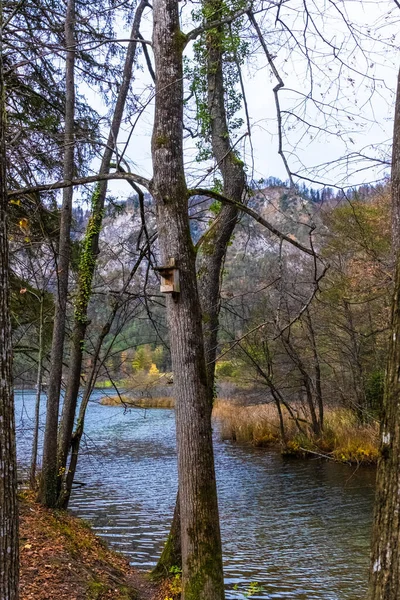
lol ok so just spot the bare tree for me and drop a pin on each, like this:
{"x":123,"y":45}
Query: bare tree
{"x":9,"y":567}
{"x":213,"y":244}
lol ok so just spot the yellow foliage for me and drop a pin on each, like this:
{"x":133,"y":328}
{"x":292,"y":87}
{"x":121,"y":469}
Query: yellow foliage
{"x":153,"y":369}
{"x":23,"y":223}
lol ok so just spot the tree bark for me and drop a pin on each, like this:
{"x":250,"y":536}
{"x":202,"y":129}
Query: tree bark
{"x":384,"y":581}
{"x":213,"y":247}
{"x":48,"y":480}
{"x":9,"y":567}
{"x":89,"y":257}
{"x":202,"y":575}
{"x":215,"y":243}
{"x":171,"y":555}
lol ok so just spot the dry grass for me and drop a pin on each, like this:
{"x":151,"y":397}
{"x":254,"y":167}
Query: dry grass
{"x":160,"y":402}
{"x":125,"y":400}
{"x":343,"y":438}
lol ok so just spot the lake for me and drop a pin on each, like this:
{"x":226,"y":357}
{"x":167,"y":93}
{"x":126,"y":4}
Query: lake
{"x":299,"y":528}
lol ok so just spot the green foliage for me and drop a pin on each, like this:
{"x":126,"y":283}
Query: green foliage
{"x":226,"y":368}
{"x":175,"y":582}
{"x":87,"y":261}
{"x":143,"y":359}
{"x":253,"y":588}
{"x":96,"y":589}
{"x":234,"y":50}
{"x":175,"y":570}
{"x":215,"y":207}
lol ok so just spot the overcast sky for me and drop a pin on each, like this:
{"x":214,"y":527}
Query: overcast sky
{"x":354,"y":72}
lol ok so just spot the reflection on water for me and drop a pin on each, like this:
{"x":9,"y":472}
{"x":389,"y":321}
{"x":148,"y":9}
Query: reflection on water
{"x":299,"y":528}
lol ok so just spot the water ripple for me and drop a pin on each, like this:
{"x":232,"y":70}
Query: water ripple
{"x":300,"y":529}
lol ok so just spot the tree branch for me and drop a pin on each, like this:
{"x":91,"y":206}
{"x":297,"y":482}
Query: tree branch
{"x":192,"y":35}
{"x":275,"y":90}
{"x":242,"y":207}
{"x":58,"y":185}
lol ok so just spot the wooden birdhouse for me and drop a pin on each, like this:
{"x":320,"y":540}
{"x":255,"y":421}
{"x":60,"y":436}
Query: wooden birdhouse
{"x":169,"y":277}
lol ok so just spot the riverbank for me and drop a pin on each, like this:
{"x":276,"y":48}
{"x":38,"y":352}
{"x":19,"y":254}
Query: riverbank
{"x":343,"y":439}
{"x":62,"y":559}
{"x":131,"y":401}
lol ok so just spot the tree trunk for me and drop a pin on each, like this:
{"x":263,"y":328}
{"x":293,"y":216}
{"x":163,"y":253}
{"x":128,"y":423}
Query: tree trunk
{"x":202,"y":576}
{"x":384,"y":582}
{"x":171,"y":555}
{"x":68,"y":479}
{"x":48,"y":480}
{"x":213,"y":247}
{"x":32,"y":475}
{"x":89,"y":257}
{"x":8,"y":466}
{"x":317,"y":370}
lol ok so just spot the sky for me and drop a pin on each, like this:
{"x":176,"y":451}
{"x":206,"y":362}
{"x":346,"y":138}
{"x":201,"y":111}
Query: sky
{"x":348,"y":49}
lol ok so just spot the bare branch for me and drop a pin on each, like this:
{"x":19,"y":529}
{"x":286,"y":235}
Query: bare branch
{"x":252,"y":213}
{"x":306,"y":305}
{"x":276,"y":89}
{"x":58,"y":185}
{"x":147,"y":57}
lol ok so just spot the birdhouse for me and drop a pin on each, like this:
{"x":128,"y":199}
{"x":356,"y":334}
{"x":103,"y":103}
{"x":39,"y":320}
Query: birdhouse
{"x":169,"y":277}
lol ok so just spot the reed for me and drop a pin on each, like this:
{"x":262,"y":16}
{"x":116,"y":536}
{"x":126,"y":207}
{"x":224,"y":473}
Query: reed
{"x":132,"y":402}
{"x":343,"y":438}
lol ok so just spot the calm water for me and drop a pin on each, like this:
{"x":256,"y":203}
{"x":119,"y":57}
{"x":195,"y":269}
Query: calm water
{"x":299,"y":528}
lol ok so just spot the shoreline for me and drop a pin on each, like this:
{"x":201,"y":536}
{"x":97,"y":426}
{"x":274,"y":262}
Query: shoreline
{"x":342,"y":440}
{"x":61,"y":557}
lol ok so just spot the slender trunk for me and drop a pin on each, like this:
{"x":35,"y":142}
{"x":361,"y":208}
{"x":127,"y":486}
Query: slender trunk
{"x":32,"y":475}
{"x":48,"y":480}
{"x":356,"y":367}
{"x":281,"y":421}
{"x":65,"y":491}
{"x":202,"y":575}
{"x":67,"y":480}
{"x":213,"y":248}
{"x":384,"y":581}
{"x":8,"y":465}
{"x":89,"y":256}
{"x":316,"y":425}
{"x":317,"y":371}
